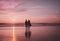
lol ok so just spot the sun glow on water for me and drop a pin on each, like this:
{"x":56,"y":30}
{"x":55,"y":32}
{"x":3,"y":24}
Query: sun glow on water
{"x":14,"y":37}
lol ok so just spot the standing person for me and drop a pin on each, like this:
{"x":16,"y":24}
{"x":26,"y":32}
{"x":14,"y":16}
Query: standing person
{"x":29,"y":23}
{"x":28,"y":32}
{"x":26,"y":23}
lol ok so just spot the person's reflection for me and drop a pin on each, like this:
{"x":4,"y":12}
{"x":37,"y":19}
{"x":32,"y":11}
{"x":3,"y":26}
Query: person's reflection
{"x":27,"y":32}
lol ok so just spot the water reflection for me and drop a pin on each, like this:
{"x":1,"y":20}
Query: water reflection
{"x":40,"y":33}
{"x":5,"y":38}
{"x":28,"y":34}
{"x":1,"y":38}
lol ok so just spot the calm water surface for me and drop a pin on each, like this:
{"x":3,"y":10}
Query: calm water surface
{"x":38,"y":33}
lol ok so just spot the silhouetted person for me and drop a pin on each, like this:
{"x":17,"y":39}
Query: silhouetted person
{"x":28,"y":32}
{"x":29,"y":23}
{"x":26,"y":23}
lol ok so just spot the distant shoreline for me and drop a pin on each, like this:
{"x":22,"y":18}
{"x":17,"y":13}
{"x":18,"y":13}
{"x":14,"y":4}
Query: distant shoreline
{"x":33,"y":24}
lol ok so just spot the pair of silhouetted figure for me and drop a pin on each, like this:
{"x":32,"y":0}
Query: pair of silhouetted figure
{"x":28,"y":32}
{"x":27,"y":23}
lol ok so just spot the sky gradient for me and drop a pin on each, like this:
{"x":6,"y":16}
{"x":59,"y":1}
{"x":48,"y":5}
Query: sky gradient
{"x":38,"y":11}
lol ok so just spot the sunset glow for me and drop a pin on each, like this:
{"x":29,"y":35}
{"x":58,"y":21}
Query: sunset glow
{"x":29,"y":20}
{"x":38,"y":11}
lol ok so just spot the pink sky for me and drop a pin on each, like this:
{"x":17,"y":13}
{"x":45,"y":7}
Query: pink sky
{"x":35,"y":10}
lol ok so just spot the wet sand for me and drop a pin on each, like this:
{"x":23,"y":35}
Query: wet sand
{"x":39,"y":33}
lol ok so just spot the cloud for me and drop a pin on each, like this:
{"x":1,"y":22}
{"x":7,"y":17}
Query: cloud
{"x":7,"y":5}
{"x":11,"y":0}
{"x":21,"y":10}
{"x":38,"y":7}
{"x":2,"y":9}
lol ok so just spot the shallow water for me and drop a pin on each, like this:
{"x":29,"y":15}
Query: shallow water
{"x":38,"y":33}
